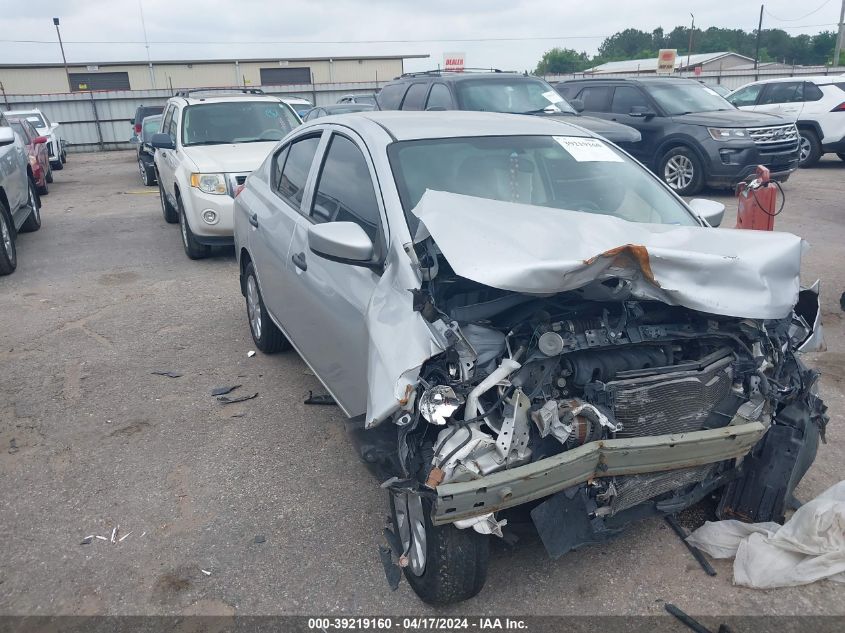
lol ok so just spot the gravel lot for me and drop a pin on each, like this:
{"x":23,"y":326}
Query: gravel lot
{"x":104,"y":295}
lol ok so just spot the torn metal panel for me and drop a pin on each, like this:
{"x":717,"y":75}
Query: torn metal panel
{"x":605,"y":458}
{"x":532,"y":249}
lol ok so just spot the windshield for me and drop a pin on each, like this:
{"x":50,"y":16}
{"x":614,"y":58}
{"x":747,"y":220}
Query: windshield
{"x":683,"y":98}
{"x":559,"y":172}
{"x":516,"y":95}
{"x":35,"y":119}
{"x":236,"y":122}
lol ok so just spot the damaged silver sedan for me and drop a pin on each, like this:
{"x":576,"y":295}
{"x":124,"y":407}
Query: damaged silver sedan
{"x":521,"y":320}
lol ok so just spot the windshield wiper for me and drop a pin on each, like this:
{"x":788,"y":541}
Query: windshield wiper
{"x":227,"y":142}
{"x":546,"y":111}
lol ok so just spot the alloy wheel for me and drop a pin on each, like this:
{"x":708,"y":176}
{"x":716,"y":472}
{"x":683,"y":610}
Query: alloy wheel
{"x":183,"y":224}
{"x":804,"y":148}
{"x":143,"y":173}
{"x":253,"y":306}
{"x":33,"y":203}
{"x":679,"y":172}
{"x":410,"y":523}
{"x":6,"y":236}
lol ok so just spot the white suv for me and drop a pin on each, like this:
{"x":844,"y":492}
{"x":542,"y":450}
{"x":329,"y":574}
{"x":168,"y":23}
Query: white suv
{"x":55,"y":143}
{"x":817,"y":104}
{"x":208,"y":144}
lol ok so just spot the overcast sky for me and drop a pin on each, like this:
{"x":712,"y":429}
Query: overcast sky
{"x":237,"y":28}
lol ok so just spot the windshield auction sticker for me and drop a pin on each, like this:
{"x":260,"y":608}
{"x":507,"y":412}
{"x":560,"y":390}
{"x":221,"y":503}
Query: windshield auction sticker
{"x":588,"y":150}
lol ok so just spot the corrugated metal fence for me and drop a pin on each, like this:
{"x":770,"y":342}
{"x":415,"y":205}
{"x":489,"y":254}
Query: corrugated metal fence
{"x":99,"y":120}
{"x":730,"y":79}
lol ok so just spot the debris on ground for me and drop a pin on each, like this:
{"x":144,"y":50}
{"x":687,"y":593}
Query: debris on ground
{"x":120,"y":540}
{"x":696,"y":553}
{"x":102,"y":538}
{"x":169,"y":374}
{"x":227,"y":400}
{"x":391,"y":570}
{"x":259,"y":538}
{"x":237,"y":415}
{"x":691,"y":622}
{"x":319,"y":399}
{"x":87,"y":540}
{"x":810,"y":546}
{"x":222,"y":391}
{"x":13,"y":446}
{"x":114,"y":533}
{"x":250,"y":353}
{"x":205,"y":571}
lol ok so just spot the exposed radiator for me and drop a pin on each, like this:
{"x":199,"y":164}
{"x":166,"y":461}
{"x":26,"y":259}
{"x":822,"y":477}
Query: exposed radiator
{"x":632,"y":490}
{"x":674,"y":402}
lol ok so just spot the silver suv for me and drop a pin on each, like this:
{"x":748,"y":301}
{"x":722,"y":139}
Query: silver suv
{"x":210,"y":141}
{"x":519,"y":318}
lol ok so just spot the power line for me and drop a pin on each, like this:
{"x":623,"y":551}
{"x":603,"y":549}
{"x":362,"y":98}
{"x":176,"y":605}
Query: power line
{"x":807,"y":15}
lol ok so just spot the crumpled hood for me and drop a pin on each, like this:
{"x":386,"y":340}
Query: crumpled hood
{"x":531,"y":249}
{"x":231,"y":157}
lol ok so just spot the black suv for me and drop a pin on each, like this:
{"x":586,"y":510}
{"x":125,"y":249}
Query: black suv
{"x":691,"y":136}
{"x":491,"y":91}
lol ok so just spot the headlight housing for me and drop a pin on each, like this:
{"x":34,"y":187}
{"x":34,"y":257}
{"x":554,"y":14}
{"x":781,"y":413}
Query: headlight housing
{"x":209,"y":183}
{"x":727,"y":133}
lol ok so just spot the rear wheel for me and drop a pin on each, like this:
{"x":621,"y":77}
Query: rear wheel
{"x":681,"y":169}
{"x":445,"y":565}
{"x":147,"y":174}
{"x":193,"y":249}
{"x":33,"y":221}
{"x":49,"y":173}
{"x":268,"y":338}
{"x":810,"y":148}
{"x":63,"y":158}
{"x":58,"y":165}
{"x":841,"y":156}
{"x":8,"y":254}
{"x":171,"y":215}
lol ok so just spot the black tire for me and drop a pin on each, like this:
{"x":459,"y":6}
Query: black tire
{"x":49,"y":173}
{"x":58,"y":165}
{"x":8,"y":252}
{"x":171,"y":215}
{"x":63,"y":158}
{"x":44,"y":190}
{"x":810,"y":148}
{"x":269,"y":339}
{"x":456,"y":561}
{"x":681,"y":169}
{"x":148,"y":178}
{"x":841,"y":155}
{"x":33,"y":220}
{"x":193,"y":249}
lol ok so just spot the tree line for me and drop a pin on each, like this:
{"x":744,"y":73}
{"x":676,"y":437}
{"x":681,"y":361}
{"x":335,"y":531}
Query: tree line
{"x":775,"y":45}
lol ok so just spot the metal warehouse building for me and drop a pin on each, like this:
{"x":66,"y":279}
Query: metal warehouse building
{"x":51,"y":78}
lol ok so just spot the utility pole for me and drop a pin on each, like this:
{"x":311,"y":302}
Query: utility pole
{"x":147,"y":45}
{"x":64,"y":59}
{"x":757,"y":52}
{"x":841,"y":35}
{"x":691,"y":31}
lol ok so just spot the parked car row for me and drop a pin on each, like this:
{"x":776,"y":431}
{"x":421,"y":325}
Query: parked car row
{"x":21,"y":157}
{"x":550,"y":366}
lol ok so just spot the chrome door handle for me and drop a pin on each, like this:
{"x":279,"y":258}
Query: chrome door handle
{"x":299,"y":260}
{"x":253,"y":219}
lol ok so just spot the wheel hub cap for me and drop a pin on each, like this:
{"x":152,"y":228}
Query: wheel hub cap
{"x":411,"y":526}
{"x":678,"y":172}
{"x":6,"y":234}
{"x":253,"y":306}
{"x":805,"y":149}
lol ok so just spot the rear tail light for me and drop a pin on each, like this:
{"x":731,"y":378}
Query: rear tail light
{"x":839,"y":108}
{"x":238,"y":189}
{"x":137,"y":128}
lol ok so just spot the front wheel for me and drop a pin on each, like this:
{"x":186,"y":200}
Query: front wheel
{"x":445,"y":565}
{"x":193,"y":249}
{"x":681,"y":169}
{"x":33,"y":221}
{"x":63,"y":158}
{"x":58,"y":165}
{"x":268,"y":338}
{"x":171,"y":215}
{"x":810,"y":148}
{"x":8,"y":253}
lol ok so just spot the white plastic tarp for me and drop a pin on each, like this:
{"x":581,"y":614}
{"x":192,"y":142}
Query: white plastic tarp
{"x":810,"y":546}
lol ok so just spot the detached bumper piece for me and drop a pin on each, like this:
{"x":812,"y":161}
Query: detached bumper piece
{"x":604,"y":458}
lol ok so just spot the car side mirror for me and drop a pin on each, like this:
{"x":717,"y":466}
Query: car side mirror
{"x":641,"y":112}
{"x":344,"y":242}
{"x":132,"y":121}
{"x":577,"y":105}
{"x":710,"y":211}
{"x":7,"y":135}
{"x":40,"y":140}
{"x":162,"y":141}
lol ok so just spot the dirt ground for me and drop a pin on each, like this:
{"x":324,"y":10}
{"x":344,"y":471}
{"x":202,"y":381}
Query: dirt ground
{"x":91,"y":439}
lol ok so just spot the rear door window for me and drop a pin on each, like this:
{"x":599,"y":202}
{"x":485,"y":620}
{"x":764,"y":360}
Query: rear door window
{"x":782,"y":92}
{"x":812,"y":92}
{"x":415,"y":97}
{"x":439,"y":97}
{"x":595,"y":98}
{"x":294,"y":174}
{"x":391,"y":96}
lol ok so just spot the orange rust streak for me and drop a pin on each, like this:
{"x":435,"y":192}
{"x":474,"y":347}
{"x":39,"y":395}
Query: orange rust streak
{"x":623,"y":254}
